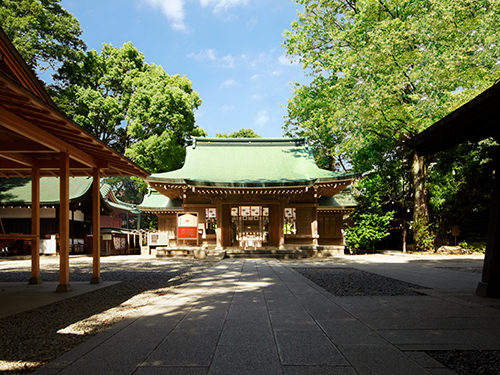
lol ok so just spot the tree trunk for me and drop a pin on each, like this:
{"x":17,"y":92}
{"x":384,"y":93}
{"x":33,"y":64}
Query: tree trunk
{"x":420,"y":206}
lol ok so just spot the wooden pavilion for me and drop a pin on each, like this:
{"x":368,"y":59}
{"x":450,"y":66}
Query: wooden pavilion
{"x":476,"y":120}
{"x":37,"y":139}
{"x":251,"y":194}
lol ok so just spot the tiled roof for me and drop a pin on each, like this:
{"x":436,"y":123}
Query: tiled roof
{"x":154,"y":201}
{"x":17,"y":190}
{"x":249,"y":162}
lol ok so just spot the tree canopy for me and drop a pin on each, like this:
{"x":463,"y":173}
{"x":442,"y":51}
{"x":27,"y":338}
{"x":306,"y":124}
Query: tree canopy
{"x":133,"y":106}
{"x":242,"y":133}
{"x":44,"y":33}
{"x":382,"y":71}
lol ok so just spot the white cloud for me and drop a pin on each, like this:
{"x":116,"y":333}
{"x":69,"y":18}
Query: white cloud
{"x":256,"y":97}
{"x":254,"y":77}
{"x":250,"y":24}
{"x":222,"y":5}
{"x":262,"y":118}
{"x":227,"y":108}
{"x":207,"y":54}
{"x":284,"y":60}
{"x":173,"y":10}
{"x":263,"y":58}
{"x":211,"y":55}
{"x":228,"y":82}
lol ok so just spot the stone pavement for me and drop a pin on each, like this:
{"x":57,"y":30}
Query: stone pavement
{"x":259,"y":316}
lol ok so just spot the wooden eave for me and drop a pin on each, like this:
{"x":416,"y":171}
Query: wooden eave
{"x":179,"y":190}
{"x":475,"y":120}
{"x":33,"y":134}
{"x":14,"y":65}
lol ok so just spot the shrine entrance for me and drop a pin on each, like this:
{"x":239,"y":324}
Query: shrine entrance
{"x":249,"y":226}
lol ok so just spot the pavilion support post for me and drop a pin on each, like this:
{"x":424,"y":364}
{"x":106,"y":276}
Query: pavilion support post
{"x":218,"y":205}
{"x":96,"y":227}
{"x":64,"y":285}
{"x":490,"y":282}
{"x":35,"y":226}
{"x":281,"y":224}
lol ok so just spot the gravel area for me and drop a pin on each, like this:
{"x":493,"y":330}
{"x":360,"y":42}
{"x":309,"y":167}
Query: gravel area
{"x":32,"y":338}
{"x":343,"y":281}
{"x":469,"y":362}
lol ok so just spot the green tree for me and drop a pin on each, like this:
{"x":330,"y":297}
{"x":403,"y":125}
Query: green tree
{"x":371,"y":224}
{"x":126,"y":189}
{"x":243,"y":133}
{"x":135,"y":107}
{"x":460,"y":187}
{"x":43,"y":32}
{"x":385,"y":70}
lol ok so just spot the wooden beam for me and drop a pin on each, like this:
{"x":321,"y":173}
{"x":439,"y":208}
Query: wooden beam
{"x":35,"y":227}
{"x":64,"y":225}
{"x":96,"y":227}
{"x":19,"y":158}
{"x":24,"y":147}
{"x":20,"y":126}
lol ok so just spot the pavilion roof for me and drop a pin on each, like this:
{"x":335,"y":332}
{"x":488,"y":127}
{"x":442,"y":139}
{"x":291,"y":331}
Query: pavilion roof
{"x":154,"y":201}
{"x":345,"y":199}
{"x":34,"y":132}
{"x":249,"y":163}
{"x":109,"y":195}
{"x":477,"y":119}
{"x":17,"y":190}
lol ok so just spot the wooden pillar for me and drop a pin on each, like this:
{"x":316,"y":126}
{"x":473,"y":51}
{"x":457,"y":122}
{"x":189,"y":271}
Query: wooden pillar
{"x":35,"y":226}
{"x":226,"y":225}
{"x":64,"y":224}
{"x":281,"y":223}
{"x":490,"y":282}
{"x":219,"y":224}
{"x":314,"y":227}
{"x":96,"y":227}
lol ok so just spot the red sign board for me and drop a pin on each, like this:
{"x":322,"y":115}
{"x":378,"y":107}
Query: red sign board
{"x":187,"y":226}
{"x":188,"y":233}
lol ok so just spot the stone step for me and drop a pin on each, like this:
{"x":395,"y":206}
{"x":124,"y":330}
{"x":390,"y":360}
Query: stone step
{"x":261,"y":253}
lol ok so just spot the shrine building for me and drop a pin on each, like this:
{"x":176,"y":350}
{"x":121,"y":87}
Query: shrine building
{"x":250,"y":193}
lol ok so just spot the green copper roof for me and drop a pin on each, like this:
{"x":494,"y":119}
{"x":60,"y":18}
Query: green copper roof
{"x":249,"y":162}
{"x":344,"y":199}
{"x":156,"y":201}
{"x":114,"y":202}
{"x":16,"y":190}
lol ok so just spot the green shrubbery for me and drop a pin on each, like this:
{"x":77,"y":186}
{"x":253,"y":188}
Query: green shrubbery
{"x":476,"y":246}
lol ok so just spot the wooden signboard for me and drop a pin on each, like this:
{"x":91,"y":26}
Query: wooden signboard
{"x":187,"y":226}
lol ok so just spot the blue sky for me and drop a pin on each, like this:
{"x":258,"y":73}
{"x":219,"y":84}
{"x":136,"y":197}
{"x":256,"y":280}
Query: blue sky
{"x":230,"y":49}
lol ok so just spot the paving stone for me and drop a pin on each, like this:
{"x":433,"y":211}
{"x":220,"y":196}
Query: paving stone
{"x":308,"y":348}
{"x":318,"y":370}
{"x":248,"y":312}
{"x":381,"y":361}
{"x":162,"y":370}
{"x":246,"y":359}
{"x":441,"y":371}
{"x":247,"y":332}
{"x":424,"y":359}
{"x":185,"y":348}
{"x":289,"y":320}
{"x":446,"y":337}
{"x":351,"y":332}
